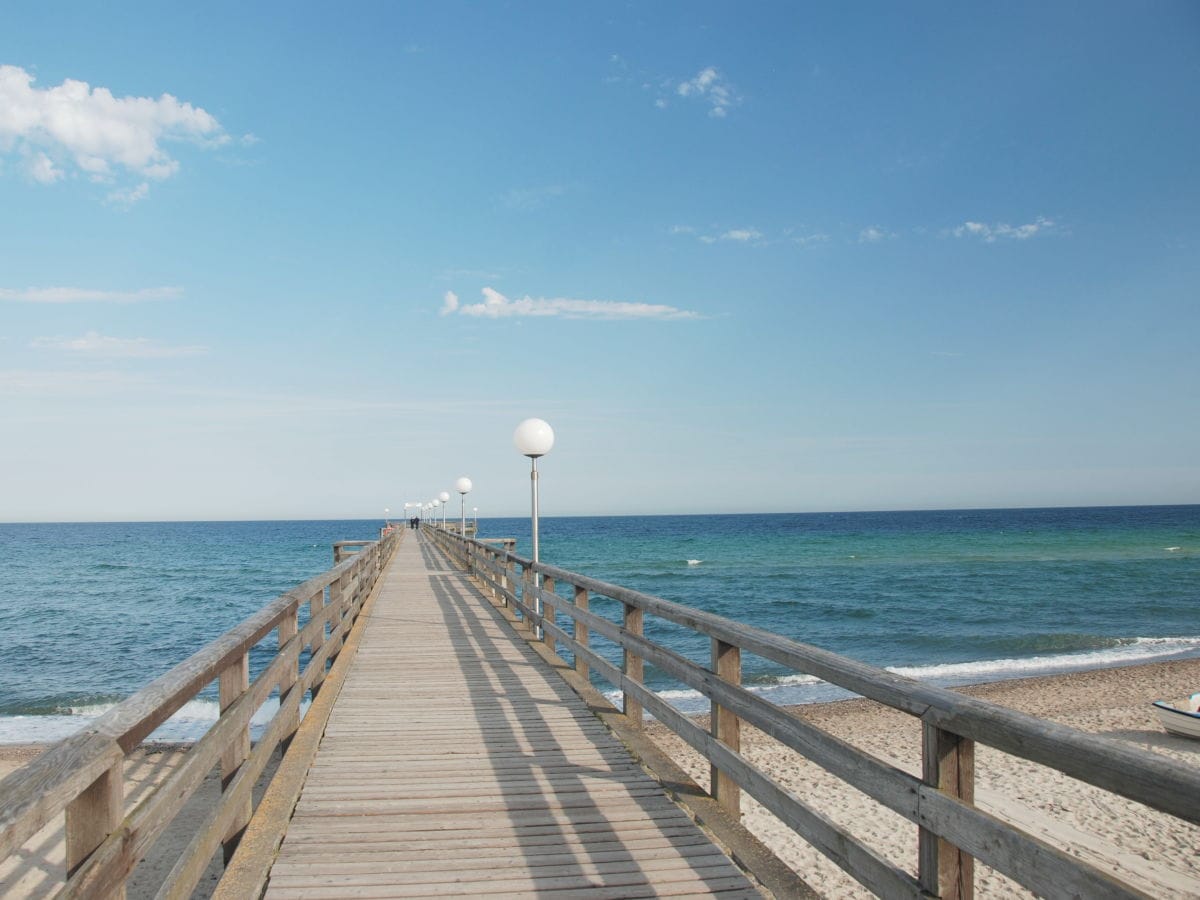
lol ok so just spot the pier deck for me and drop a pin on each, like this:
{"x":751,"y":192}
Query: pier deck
{"x":456,"y":763}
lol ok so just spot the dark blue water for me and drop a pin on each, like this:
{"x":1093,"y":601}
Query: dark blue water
{"x":93,"y":611}
{"x":955,"y":596}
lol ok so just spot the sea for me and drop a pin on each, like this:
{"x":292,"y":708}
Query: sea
{"x":92,"y":612}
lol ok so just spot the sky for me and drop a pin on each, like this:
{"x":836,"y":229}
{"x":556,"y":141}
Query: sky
{"x":300,"y":260}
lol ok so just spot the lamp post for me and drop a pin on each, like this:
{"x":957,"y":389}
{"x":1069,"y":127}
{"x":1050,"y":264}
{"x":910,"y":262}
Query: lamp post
{"x":444,"y":497}
{"x":463,"y":486}
{"x":534,"y":438}
{"x":475,"y":521}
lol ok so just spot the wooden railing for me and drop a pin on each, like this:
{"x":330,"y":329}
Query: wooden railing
{"x":82,"y":775}
{"x":952,"y":831}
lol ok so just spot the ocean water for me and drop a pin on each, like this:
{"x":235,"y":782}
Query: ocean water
{"x":93,"y":611}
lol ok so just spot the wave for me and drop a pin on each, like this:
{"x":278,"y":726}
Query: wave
{"x":187,"y":725}
{"x":798,"y":689}
{"x":197,"y":716}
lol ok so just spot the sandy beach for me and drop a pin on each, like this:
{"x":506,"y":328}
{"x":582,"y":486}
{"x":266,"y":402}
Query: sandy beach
{"x":1154,"y":851}
{"x":1157,"y":852}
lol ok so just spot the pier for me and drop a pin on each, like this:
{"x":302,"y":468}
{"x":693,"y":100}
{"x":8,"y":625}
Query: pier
{"x":454,"y":744}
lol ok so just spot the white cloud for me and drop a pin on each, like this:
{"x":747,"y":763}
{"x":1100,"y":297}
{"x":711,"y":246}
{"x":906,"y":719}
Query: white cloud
{"x":95,"y":344}
{"x":496,"y":306}
{"x":101,"y":136}
{"x":710,"y":86}
{"x":129,"y":196}
{"x":41,"y":169}
{"x":873,"y":234}
{"x":742,"y":235}
{"x":449,"y":303}
{"x":87,"y":295}
{"x":732,"y":235}
{"x":989,"y":234}
{"x":808,"y":240}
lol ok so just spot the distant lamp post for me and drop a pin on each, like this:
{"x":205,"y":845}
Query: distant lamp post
{"x":475,"y":521}
{"x":387,"y":511}
{"x":463,"y":486}
{"x":444,"y":497}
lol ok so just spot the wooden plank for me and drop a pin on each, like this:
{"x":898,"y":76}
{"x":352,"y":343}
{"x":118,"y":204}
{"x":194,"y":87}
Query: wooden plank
{"x":247,"y":872}
{"x":453,"y":751}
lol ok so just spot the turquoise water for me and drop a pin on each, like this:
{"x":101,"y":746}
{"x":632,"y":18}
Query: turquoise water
{"x":93,"y":611}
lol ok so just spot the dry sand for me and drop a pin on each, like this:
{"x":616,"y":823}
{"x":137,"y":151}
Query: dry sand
{"x":1154,"y":851}
{"x":1158,"y":853}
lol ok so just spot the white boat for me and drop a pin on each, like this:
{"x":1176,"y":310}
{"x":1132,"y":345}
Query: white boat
{"x":1180,"y":716}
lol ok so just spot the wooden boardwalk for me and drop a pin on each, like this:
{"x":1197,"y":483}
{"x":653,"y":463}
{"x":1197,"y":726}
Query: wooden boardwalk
{"x":456,"y":763}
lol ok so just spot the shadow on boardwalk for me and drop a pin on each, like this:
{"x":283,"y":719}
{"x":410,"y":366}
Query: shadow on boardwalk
{"x":458,"y":763}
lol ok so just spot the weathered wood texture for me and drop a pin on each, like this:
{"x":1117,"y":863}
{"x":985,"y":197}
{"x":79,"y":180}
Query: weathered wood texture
{"x":952,"y":831}
{"x":457,"y":763}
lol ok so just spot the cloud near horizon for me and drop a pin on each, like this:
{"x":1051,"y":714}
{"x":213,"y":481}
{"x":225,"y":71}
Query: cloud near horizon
{"x":95,"y":344}
{"x":76,"y":129}
{"x":88,"y":295}
{"x":496,"y":306}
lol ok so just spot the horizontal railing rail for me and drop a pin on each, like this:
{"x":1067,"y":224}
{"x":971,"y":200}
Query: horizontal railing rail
{"x":952,"y":831}
{"x":82,"y":776}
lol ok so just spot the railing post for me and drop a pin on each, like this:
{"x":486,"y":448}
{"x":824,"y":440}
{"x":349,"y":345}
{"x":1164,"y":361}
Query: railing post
{"x":289,"y":626}
{"x":507,"y":581}
{"x":233,"y":682}
{"x":633,"y":664}
{"x":725,"y":726}
{"x":93,"y":816}
{"x":340,"y":596}
{"x":526,"y":600}
{"x":315,"y":608}
{"x":581,"y":633}
{"x":548,"y":612}
{"x":948,"y":764}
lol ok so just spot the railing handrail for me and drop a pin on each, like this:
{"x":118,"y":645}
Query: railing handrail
{"x":71,"y":770}
{"x":1159,"y":782}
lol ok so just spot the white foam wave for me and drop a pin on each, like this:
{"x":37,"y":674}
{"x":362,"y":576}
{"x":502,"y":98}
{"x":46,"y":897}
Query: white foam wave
{"x":187,"y":725}
{"x":1139,"y":650}
{"x":798,"y":689}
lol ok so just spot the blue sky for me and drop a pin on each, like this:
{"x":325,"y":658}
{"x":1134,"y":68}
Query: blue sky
{"x":290,"y":260}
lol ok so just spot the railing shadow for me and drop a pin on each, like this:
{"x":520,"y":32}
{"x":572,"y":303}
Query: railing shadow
{"x":560,"y":810}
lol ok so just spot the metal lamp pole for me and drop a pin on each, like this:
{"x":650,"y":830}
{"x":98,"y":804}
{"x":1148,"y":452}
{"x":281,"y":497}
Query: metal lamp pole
{"x":463,"y":486}
{"x":534,"y":438}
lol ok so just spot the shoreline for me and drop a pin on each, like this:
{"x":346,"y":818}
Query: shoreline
{"x":1151,"y":850}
